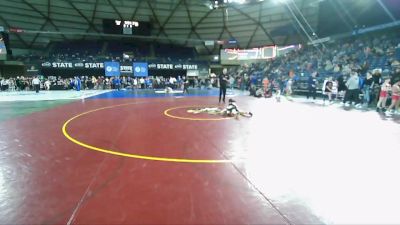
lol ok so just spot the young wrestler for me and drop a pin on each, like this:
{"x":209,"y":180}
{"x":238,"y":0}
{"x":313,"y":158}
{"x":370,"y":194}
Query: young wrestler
{"x":328,"y":89}
{"x":213,"y":111}
{"x":395,"y":98}
{"x":231,"y":110}
{"x":383,"y":95}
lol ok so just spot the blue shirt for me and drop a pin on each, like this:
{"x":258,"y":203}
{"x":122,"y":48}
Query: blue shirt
{"x":312,"y":82}
{"x":117,"y":81}
{"x":361,"y":82}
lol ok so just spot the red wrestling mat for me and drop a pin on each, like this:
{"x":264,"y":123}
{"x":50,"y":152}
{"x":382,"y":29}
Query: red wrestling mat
{"x":60,"y":182}
{"x":291,"y":163}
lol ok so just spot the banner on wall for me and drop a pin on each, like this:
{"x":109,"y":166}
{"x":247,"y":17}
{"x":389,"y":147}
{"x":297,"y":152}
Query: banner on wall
{"x":71,"y":65}
{"x":112,"y":69}
{"x":192,"y":73}
{"x":173,"y":66}
{"x":126,"y":69}
{"x":140,"y":69}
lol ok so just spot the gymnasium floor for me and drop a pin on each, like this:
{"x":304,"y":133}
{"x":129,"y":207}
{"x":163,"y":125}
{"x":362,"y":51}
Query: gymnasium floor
{"x":140,"y":158}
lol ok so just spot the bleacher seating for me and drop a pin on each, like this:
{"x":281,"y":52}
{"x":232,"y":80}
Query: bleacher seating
{"x":174,"y":52}
{"x":77,"y":48}
{"x":334,"y":59}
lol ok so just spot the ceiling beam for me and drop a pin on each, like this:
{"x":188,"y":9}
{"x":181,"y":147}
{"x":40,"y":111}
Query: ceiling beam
{"x":115,"y":9}
{"x":46,"y":17}
{"x":133,"y":17}
{"x":158,"y":22}
{"x":65,"y":11}
{"x":169,"y":16}
{"x":256,"y":22}
{"x":224,"y":15}
{"x":251,"y":37}
{"x":192,"y":28}
{"x":83,"y":16}
{"x":208,"y":50}
{"x":220,"y":34}
{"x":43,"y":25}
{"x":190,"y":21}
{"x":255,"y":30}
{"x":48,"y":8}
{"x":37,"y":34}
{"x":96,"y":4}
{"x":340,"y":14}
{"x":93,"y":16}
{"x":200,"y":21}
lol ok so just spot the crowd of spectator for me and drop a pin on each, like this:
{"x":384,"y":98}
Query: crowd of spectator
{"x":309,"y":70}
{"x":21,"y":83}
{"x":16,"y":84}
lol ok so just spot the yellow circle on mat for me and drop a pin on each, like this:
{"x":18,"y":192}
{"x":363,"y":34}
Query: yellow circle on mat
{"x":114,"y":152}
{"x":167,"y":113}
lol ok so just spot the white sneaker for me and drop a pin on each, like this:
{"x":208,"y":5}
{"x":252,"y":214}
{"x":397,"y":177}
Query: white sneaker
{"x":358,"y":106}
{"x":388,"y":113}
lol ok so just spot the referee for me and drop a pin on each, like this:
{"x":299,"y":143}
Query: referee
{"x":36,"y":84}
{"x":223,"y":80}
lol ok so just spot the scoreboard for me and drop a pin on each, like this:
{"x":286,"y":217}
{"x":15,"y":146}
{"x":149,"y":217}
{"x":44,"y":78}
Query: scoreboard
{"x":234,"y":56}
{"x":126,"y":27}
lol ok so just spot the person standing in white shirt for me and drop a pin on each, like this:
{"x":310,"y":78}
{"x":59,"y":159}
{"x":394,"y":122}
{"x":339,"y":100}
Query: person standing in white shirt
{"x":172,"y":82}
{"x":135,"y":83}
{"x":47,"y":84}
{"x":36,"y":84}
{"x":141,"y":81}
{"x":3,"y":84}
